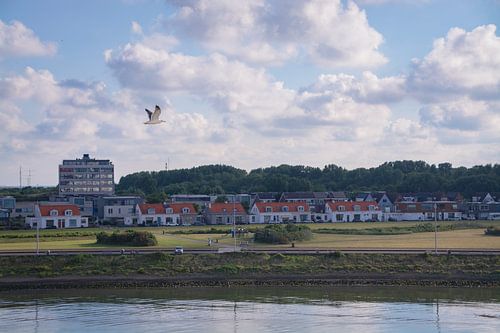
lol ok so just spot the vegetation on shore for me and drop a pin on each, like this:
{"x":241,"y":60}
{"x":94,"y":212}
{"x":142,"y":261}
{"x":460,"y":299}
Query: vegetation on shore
{"x":282,"y":234}
{"x":400,"y":230}
{"x":246,"y":264}
{"x":127,"y":238}
{"x":492,"y":231}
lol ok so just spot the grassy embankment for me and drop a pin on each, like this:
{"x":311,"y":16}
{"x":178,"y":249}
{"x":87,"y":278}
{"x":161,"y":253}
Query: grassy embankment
{"x":210,"y":269}
{"x":326,"y":235}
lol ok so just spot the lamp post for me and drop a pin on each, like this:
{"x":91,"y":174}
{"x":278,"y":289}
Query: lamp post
{"x":37,"y":232}
{"x":435,"y":229}
{"x":234,"y":221}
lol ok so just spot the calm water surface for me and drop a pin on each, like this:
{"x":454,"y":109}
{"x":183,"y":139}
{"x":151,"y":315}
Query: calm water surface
{"x":344,"y":309}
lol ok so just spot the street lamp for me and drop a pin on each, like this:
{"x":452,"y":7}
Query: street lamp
{"x":234,"y":221}
{"x":435,"y":229}
{"x":37,"y":232}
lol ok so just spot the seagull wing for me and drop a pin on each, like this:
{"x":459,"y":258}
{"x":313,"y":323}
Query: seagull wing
{"x":156,"y":114}
{"x":149,"y":114}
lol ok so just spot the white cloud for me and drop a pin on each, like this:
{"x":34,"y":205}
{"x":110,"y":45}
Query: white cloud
{"x":368,"y":89}
{"x":17,"y":40}
{"x":230,"y":86}
{"x":271,"y":32}
{"x":461,"y":63}
{"x":136,"y":28}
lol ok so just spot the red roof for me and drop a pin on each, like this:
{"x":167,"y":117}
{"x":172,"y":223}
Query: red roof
{"x":158,"y":207}
{"x":177,"y":207}
{"x":46,"y":209}
{"x":349,"y":206}
{"x":218,"y":207}
{"x":278,"y":206}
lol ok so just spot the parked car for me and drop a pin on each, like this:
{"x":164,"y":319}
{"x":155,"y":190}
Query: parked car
{"x":178,"y":250}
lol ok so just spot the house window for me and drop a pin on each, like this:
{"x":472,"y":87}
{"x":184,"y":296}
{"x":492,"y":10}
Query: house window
{"x":357,"y":208}
{"x":300,"y":208}
{"x":339,"y":217}
{"x":151,"y":211}
{"x":371,"y":207}
{"x":341,"y":208}
{"x":110,"y":210}
{"x":185,"y":210}
{"x":72,"y":222}
{"x":269,"y":209}
{"x":284,"y":208}
{"x":54,"y":212}
{"x":170,"y":210}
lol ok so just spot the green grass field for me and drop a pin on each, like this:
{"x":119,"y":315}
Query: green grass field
{"x":85,"y":239}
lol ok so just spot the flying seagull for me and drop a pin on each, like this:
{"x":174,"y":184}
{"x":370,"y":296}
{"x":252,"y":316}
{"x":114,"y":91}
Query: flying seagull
{"x":154,"y":117}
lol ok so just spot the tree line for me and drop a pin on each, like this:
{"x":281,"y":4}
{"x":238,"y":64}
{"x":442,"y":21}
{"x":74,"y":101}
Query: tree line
{"x":393,"y":177}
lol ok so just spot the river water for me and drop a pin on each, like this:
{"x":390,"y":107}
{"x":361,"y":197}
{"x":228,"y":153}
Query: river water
{"x":246,"y":309}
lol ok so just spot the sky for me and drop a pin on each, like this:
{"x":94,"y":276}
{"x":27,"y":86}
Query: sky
{"x":247,"y":83}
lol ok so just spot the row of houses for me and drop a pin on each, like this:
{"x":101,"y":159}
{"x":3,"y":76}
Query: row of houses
{"x":294,"y":207}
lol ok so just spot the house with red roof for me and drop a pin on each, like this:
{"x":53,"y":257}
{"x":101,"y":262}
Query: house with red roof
{"x":280,"y":212}
{"x":353,"y":211}
{"x":57,"y":216}
{"x":159,"y":214}
{"x":426,"y":211}
{"x":225,"y":213}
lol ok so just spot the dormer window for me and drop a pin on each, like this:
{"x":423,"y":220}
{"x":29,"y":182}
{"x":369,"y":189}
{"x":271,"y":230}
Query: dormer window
{"x":284,"y":208}
{"x":341,"y":208}
{"x":269,"y":209}
{"x":300,"y":208}
{"x":357,"y":208}
{"x":371,"y":207}
{"x":170,"y":210}
{"x":68,"y":212}
{"x":224,"y":210}
{"x":151,"y":211}
{"x":185,"y":210}
{"x":54,"y":212}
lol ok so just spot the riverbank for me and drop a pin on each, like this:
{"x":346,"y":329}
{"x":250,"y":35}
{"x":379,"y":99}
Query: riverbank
{"x":250,"y":269}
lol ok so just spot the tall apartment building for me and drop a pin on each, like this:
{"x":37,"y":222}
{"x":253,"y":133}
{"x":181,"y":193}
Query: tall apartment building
{"x":86,"y":176}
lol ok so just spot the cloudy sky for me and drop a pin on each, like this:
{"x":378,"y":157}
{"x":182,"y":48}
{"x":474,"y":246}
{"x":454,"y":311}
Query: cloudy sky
{"x":247,"y":83}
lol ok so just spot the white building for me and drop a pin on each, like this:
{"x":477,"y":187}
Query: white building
{"x":163,"y":215}
{"x":57,"y":216}
{"x":280,"y":212}
{"x":361,"y":211}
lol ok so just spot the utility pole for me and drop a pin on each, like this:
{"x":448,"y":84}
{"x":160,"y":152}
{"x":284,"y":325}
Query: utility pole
{"x":20,"y":177}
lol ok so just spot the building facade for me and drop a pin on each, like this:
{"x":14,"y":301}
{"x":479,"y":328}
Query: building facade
{"x":225,"y":213}
{"x":57,"y":216}
{"x":86,"y":176}
{"x":362,"y":211}
{"x":280,"y":212}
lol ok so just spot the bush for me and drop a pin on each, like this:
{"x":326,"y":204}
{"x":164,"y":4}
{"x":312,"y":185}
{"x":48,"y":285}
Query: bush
{"x":129,"y":237}
{"x":282,"y":234}
{"x":492,"y":231}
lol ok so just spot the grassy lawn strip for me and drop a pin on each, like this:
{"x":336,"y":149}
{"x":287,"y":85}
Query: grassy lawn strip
{"x":245,"y":264}
{"x":401,"y":230}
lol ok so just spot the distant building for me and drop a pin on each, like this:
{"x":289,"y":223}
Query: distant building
{"x":225,"y":213}
{"x":24,"y":209}
{"x":201,"y":200}
{"x":163,"y":215}
{"x":280,"y":212}
{"x":57,"y":216}
{"x":86,"y":176}
{"x":115,"y":209}
{"x":361,"y":211}
{"x":7,"y":207}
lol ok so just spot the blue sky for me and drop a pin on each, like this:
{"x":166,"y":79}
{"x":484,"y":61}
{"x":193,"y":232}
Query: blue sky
{"x":251,"y":84}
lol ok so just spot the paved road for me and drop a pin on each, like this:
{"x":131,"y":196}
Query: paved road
{"x":255,"y":250}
